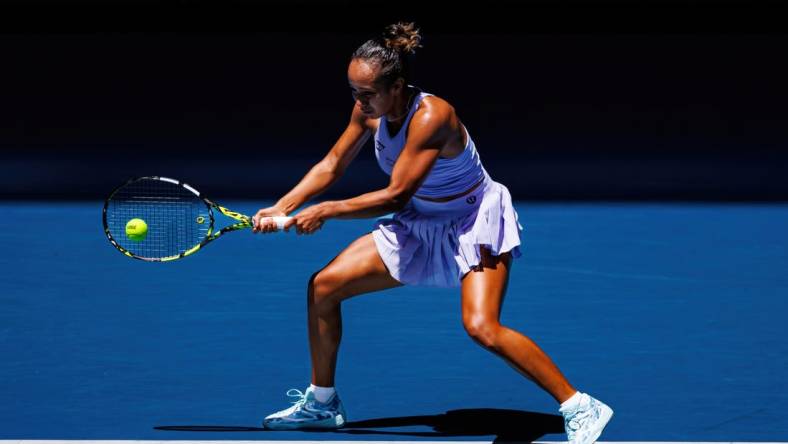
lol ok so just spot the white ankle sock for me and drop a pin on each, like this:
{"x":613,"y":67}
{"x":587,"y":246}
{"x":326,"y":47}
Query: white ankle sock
{"x":571,"y":404}
{"x":322,"y":394}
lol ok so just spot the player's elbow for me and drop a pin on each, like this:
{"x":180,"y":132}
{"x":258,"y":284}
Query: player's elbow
{"x":398,"y":197}
{"x":331,"y":166}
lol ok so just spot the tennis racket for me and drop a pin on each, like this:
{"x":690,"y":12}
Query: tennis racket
{"x":159,"y":219}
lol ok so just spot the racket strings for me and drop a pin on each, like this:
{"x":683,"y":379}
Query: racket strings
{"x":177,"y":219}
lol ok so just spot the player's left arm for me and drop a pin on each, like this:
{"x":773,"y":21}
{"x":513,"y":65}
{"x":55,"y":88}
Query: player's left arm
{"x":427,"y":133}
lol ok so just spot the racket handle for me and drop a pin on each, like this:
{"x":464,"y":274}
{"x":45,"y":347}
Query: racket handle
{"x":279,"y":221}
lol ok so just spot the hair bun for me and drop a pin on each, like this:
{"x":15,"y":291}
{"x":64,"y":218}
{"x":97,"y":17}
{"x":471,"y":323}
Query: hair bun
{"x":402,"y":37}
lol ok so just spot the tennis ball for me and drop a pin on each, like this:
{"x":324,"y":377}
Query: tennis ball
{"x":136,"y":229}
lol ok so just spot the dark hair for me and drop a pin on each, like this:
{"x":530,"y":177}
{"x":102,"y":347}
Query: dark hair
{"x":393,"y":51}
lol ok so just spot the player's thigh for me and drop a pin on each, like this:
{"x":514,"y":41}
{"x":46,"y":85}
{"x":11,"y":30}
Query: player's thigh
{"x":356,"y":270}
{"x":484,"y":288}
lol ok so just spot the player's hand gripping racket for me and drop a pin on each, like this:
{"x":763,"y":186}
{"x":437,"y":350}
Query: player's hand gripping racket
{"x":160,"y":219}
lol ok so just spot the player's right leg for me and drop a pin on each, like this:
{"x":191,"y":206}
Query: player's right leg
{"x":356,"y":270}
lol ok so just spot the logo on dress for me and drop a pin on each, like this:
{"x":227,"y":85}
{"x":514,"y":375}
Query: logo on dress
{"x":471,"y":200}
{"x":379,"y":146}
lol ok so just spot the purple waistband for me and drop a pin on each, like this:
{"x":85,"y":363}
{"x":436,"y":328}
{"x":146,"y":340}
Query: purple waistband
{"x":455,"y":207}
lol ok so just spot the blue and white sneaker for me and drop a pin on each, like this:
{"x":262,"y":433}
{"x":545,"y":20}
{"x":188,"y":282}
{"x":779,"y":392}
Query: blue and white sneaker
{"x":584,"y":424}
{"x":308,"y":413}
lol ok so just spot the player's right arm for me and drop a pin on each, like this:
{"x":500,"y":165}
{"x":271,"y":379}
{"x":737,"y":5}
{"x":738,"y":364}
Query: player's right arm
{"x":323,"y":174}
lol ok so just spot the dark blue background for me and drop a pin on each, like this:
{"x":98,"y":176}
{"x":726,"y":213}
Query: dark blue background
{"x":566,"y":100}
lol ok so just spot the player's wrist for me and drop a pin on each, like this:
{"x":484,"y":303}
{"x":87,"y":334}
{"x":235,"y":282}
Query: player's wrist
{"x":329,"y":209}
{"x":283,"y":208}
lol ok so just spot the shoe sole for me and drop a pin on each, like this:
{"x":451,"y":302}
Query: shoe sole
{"x":328,"y":424}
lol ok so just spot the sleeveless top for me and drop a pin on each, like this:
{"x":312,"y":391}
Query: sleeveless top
{"x":447,"y":176}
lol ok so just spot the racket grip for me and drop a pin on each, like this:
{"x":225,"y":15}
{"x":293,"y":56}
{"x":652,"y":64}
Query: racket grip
{"x":280,"y":221}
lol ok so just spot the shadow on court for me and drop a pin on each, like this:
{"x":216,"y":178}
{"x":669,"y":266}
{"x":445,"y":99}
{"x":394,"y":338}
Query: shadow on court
{"x":505,"y":425}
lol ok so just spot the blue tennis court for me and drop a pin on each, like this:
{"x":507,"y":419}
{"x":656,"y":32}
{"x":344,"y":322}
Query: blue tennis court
{"x":671,"y":313}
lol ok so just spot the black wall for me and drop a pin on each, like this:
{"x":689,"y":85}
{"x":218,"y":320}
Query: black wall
{"x":565,"y":100}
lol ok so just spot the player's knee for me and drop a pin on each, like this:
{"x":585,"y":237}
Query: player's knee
{"x":482,"y":330}
{"x":323,"y":288}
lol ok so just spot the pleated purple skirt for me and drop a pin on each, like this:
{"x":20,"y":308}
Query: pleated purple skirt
{"x":435,"y":244}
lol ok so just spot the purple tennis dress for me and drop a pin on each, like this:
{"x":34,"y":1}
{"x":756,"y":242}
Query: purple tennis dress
{"x":436,"y":243}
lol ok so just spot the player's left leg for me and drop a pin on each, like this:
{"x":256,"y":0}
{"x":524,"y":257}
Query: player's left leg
{"x":483,"y":291}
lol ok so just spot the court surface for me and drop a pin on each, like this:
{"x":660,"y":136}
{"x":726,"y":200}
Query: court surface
{"x":673,"y":314}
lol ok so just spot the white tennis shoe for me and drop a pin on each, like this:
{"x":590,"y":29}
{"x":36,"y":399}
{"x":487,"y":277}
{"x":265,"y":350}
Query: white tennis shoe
{"x":308,"y":413}
{"x":584,"y":424}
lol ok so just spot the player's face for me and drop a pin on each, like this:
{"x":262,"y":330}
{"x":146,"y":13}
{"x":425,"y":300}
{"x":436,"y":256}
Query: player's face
{"x":372,"y":98}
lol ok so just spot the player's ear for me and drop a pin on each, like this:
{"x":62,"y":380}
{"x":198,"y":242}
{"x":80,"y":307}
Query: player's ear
{"x":398,"y":85}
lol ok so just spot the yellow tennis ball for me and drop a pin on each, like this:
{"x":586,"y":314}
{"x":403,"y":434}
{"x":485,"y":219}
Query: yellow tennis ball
{"x":136,"y":229}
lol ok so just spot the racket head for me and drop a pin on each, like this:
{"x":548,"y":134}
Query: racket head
{"x":179,"y":220}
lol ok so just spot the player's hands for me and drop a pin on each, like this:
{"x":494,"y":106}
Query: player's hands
{"x":310,"y":219}
{"x":262,"y":225}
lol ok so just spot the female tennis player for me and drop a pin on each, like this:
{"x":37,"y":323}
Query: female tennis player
{"x":453,"y":226}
